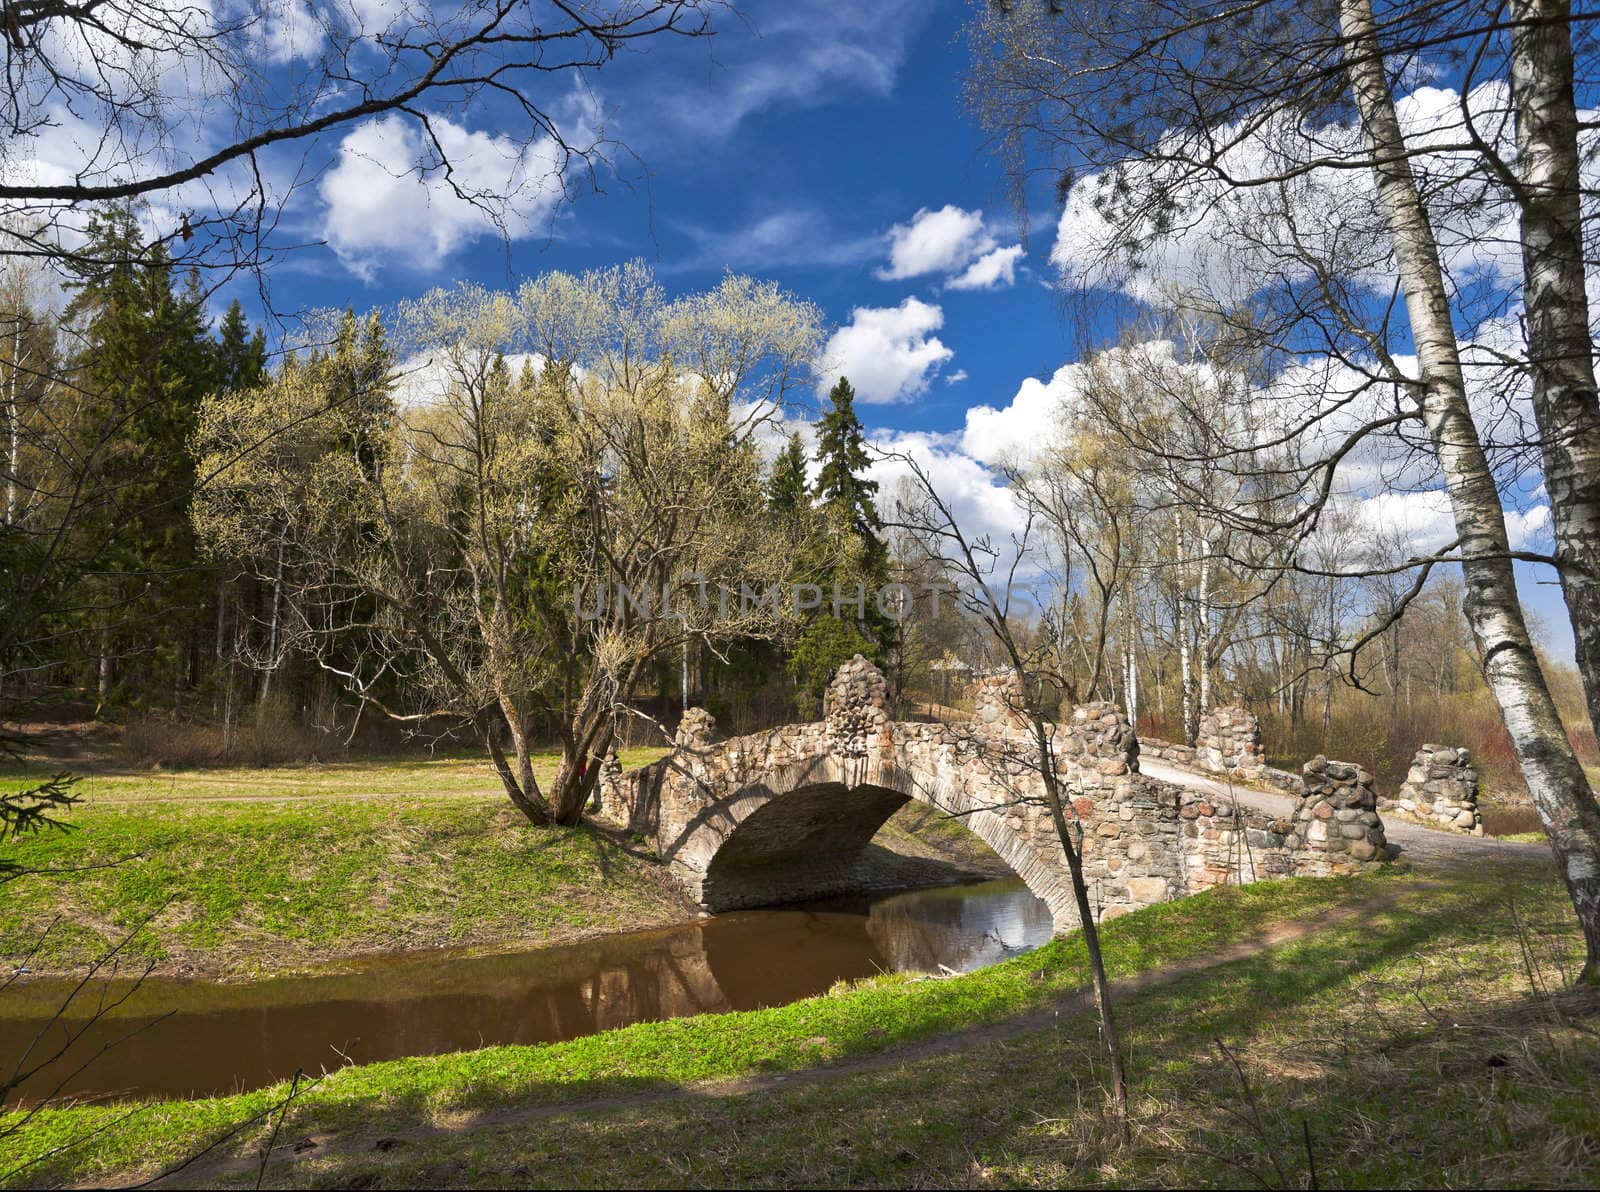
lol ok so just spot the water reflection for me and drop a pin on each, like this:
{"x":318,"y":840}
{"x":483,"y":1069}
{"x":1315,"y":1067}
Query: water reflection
{"x":223,"y":1038}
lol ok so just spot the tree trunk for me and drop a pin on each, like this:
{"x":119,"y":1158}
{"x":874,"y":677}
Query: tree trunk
{"x":13,"y":422}
{"x":272,"y":630}
{"x":1556,"y":781}
{"x":1566,"y":404}
{"x":1185,"y":667}
{"x":1203,"y":627}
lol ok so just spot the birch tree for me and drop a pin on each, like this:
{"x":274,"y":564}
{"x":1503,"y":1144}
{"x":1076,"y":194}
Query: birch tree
{"x":1261,"y":153}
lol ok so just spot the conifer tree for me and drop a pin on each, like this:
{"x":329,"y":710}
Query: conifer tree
{"x":843,"y":489}
{"x":146,"y":361}
{"x":787,"y":492}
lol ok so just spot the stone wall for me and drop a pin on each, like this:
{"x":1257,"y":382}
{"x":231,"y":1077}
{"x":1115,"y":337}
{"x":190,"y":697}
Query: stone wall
{"x":1441,"y":790}
{"x":786,"y":814}
{"x":1229,"y":742}
{"x":1168,"y":751}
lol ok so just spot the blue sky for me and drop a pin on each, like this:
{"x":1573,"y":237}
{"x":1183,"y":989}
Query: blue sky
{"x":822,"y":145}
{"x":800,"y":179}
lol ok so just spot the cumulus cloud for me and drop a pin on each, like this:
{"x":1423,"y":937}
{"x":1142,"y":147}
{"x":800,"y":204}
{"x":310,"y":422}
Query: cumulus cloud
{"x":994,"y":270}
{"x":954,"y":242}
{"x":386,"y":199}
{"x":889,"y":353}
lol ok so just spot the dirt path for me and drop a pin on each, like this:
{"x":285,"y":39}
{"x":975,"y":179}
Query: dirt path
{"x":338,"y":1145}
{"x":1425,"y":846}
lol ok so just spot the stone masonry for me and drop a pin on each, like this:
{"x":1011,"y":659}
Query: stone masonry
{"x":1229,"y":742}
{"x":1441,"y":789}
{"x":785,"y":814}
{"x":1337,"y":816}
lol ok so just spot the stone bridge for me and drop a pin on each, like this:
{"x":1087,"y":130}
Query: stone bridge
{"x":785,"y":815}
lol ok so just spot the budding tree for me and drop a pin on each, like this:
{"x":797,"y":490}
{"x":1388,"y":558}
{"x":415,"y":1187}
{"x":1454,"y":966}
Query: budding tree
{"x":557,"y":492}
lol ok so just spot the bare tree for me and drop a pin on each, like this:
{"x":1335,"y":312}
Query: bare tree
{"x":214,"y":112}
{"x":985,"y":584}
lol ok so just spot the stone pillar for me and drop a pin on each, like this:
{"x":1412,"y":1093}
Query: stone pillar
{"x":1099,"y":738}
{"x":856,"y":708}
{"x":1001,"y":702}
{"x":1229,"y":741}
{"x":697,"y":730}
{"x":1335,"y":825}
{"x":1441,"y":789}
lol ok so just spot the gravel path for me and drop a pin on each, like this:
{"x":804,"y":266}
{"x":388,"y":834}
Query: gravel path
{"x":1425,"y":846}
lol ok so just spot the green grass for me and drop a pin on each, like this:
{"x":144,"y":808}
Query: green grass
{"x":241,"y":888}
{"x":850,"y":1022}
{"x":453,"y":775}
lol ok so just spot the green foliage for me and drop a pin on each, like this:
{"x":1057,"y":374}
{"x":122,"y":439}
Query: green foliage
{"x":787,"y":492}
{"x":823,"y":646}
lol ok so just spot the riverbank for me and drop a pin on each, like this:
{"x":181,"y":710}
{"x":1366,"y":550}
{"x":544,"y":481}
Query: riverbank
{"x":234,"y":875}
{"x":1408,"y":1031}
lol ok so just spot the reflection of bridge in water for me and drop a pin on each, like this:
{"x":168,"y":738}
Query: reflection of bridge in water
{"x":226,"y":1037}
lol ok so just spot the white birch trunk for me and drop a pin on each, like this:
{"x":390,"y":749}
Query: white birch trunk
{"x":1555,"y":779}
{"x":1203,"y":632}
{"x":1566,"y":404}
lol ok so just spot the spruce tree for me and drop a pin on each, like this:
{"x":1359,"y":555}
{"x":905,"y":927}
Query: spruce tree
{"x":850,"y":555}
{"x":787,"y":493}
{"x":146,"y":363}
{"x":843,"y":490}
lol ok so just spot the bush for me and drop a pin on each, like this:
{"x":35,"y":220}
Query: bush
{"x":273,"y":737}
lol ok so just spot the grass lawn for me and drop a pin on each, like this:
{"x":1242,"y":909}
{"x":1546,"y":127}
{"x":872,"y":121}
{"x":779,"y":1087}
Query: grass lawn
{"x":444,"y":775}
{"x":1423,"y":1040}
{"x":242,"y":886}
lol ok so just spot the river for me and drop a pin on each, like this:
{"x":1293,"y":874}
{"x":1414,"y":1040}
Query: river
{"x":190,"y":1038}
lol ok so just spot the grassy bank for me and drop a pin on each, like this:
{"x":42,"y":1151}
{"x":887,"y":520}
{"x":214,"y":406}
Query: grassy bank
{"x":230,"y":890}
{"x":412,"y":777}
{"x":1365,"y":1029}
{"x":239,"y":872}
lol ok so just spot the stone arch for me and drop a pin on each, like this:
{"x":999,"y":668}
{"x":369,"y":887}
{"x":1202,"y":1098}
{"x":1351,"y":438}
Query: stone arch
{"x":799,"y":831}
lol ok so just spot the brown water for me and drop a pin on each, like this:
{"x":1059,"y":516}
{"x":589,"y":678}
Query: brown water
{"x":222,"y":1038}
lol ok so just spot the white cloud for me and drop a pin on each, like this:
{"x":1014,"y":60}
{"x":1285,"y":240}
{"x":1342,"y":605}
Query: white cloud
{"x":1422,"y":522}
{"x":956,"y":377}
{"x":939,"y":241}
{"x":889,"y":353}
{"x":386,"y":200}
{"x":954,"y":242}
{"x":981,"y":504}
{"x":1232,"y":240}
{"x":994,"y":270}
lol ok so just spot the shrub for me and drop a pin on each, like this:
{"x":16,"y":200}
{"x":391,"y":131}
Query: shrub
{"x":274,"y":736}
